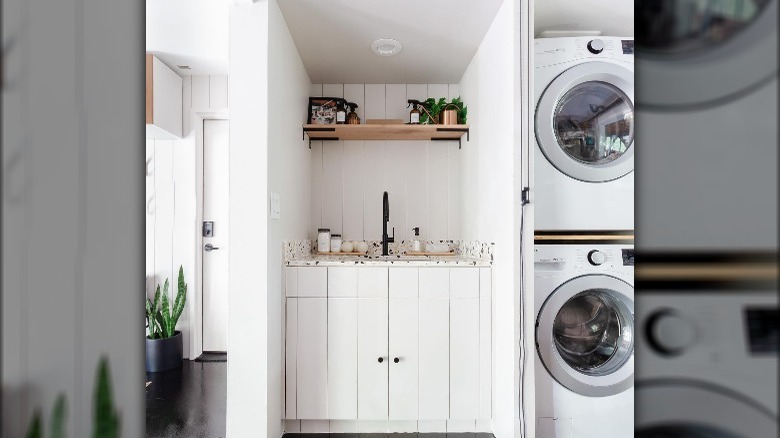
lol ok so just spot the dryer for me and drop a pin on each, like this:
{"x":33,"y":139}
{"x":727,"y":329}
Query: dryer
{"x":707,"y":84}
{"x":584,"y":125}
{"x":584,"y":303}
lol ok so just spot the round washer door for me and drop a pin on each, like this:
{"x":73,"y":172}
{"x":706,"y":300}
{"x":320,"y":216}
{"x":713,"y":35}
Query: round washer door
{"x":691,"y":409}
{"x":585,"y":335}
{"x":694,"y":53}
{"x":585,"y":121}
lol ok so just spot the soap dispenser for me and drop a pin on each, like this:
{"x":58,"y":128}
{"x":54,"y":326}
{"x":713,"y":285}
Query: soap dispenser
{"x":416,"y":244}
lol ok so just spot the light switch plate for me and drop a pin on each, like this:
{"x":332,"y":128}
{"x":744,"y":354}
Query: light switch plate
{"x":276,"y":208}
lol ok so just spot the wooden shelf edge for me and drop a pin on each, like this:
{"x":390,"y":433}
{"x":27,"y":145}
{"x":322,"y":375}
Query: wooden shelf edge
{"x":386,"y":132}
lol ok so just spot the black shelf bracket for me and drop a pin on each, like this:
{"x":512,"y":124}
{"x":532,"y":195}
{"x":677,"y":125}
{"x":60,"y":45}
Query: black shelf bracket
{"x":466,"y":130}
{"x":447,"y":139}
{"x":322,"y":139}
{"x":308,"y":130}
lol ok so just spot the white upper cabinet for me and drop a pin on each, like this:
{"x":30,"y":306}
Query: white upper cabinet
{"x":163,"y":100}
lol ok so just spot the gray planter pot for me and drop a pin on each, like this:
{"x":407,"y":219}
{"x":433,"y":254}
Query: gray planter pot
{"x":164,"y":354}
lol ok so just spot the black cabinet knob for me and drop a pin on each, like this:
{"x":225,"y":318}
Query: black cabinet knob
{"x":396,"y":360}
{"x":380,"y":360}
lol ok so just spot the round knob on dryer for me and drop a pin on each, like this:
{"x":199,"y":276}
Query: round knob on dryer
{"x":595,"y":46}
{"x":669,"y":333}
{"x":596,"y":257}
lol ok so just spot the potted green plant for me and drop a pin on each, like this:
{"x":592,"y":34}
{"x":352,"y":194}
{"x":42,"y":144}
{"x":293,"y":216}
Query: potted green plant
{"x":164,"y":346}
{"x":443,"y":112}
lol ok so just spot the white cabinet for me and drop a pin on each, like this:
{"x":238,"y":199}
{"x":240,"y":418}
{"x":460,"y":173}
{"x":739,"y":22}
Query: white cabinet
{"x":373,"y":361}
{"x":376,"y":343}
{"x":163,"y":100}
{"x":434,"y":358}
{"x":312,"y":358}
{"x":342,"y":358}
{"x":403,"y":320}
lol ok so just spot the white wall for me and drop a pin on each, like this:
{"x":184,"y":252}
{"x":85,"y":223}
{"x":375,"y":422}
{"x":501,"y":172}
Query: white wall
{"x":421,"y":177}
{"x":171,"y":223}
{"x":247,"y":374}
{"x":489,"y":196}
{"x":289,"y":175}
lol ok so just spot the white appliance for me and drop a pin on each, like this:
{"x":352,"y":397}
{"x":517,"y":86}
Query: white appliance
{"x":584,"y":302}
{"x":707,"y":115}
{"x":707,"y":363}
{"x":584,"y":124}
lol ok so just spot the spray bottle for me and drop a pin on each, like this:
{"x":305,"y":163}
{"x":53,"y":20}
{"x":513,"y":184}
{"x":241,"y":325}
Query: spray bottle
{"x":414,"y":114}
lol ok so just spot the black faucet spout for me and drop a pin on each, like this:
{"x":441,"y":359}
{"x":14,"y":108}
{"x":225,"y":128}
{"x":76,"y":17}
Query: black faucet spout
{"x":385,"y":218}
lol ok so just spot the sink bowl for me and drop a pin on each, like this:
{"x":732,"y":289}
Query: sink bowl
{"x":400,"y":258}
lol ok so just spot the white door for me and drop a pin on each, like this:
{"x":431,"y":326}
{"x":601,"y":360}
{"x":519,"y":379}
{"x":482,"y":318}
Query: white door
{"x":215,"y":251}
{"x":372,"y":359}
{"x":342,"y":358}
{"x":464,"y":358}
{"x":403,"y":349}
{"x":312,"y":359}
{"x":434,"y":358}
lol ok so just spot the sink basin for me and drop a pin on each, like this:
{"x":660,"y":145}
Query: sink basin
{"x":401,"y":258}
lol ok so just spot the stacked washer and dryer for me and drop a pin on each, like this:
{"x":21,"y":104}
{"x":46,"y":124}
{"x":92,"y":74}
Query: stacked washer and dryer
{"x":583,"y":252}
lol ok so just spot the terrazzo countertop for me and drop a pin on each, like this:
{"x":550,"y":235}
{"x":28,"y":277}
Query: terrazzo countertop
{"x":300,"y":253}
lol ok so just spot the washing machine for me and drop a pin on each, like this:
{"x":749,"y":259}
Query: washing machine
{"x":584,"y":125}
{"x":584,"y":303}
{"x":707,"y":361}
{"x":706,"y":95}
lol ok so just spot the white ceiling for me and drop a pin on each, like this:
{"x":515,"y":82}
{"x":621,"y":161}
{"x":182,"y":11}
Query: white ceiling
{"x":611,"y":17}
{"x":189,"y":32}
{"x":439,"y":38}
{"x":333,"y":37}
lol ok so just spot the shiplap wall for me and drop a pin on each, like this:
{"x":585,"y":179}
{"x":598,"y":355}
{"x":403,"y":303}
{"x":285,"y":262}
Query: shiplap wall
{"x":422,"y":178}
{"x":171,"y":196}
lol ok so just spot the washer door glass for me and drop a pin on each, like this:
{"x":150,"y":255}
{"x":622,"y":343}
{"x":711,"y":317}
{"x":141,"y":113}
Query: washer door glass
{"x":585,"y":335}
{"x":594,"y":122}
{"x":593,"y":332}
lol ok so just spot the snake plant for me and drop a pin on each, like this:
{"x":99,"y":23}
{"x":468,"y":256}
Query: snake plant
{"x":161,"y":319}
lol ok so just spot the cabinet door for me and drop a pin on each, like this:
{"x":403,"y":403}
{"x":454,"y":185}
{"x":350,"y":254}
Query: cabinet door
{"x":291,"y":360}
{"x":464,"y":358}
{"x":403,"y":339}
{"x":372,"y":345}
{"x":342,"y":358}
{"x":312,"y":363}
{"x":434,"y":358}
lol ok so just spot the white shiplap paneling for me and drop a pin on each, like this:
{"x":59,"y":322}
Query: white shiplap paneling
{"x":421,"y":177}
{"x":375,"y":101}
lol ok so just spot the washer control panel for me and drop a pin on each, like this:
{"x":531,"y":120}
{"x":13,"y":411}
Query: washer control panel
{"x":591,"y":258}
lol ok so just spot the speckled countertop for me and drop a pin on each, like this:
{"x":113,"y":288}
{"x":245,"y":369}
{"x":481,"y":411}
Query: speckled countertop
{"x":299,"y":253}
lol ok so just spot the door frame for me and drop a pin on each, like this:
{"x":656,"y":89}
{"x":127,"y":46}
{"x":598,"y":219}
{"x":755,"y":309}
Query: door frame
{"x":196,"y":340}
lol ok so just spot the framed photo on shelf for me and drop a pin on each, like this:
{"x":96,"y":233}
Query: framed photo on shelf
{"x":322,"y":110}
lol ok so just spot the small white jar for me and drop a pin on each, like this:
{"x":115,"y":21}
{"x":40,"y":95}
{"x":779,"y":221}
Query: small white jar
{"x":347,"y":246}
{"x":335,"y":243}
{"x":323,"y":240}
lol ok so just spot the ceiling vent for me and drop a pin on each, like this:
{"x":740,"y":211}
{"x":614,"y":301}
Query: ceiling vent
{"x":386,"y":47}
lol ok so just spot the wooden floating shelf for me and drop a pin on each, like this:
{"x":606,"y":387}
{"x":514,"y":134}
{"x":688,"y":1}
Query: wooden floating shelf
{"x":386,"y":132}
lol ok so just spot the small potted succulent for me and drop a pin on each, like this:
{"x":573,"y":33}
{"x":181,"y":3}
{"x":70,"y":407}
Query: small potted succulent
{"x":164,"y":346}
{"x":443,"y":112}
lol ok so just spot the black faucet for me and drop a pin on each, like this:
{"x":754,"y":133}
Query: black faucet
{"x":385,"y":218}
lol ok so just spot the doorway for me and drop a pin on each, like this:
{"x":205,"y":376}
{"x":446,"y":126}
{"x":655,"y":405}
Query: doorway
{"x":215,"y":232}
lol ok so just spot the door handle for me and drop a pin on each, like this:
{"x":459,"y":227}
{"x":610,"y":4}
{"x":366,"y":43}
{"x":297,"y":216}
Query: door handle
{"x":209,"y":247}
